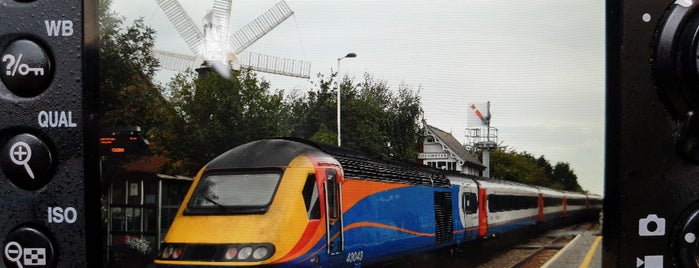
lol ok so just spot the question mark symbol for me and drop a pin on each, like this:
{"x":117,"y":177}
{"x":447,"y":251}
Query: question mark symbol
{"x":11,"y":58}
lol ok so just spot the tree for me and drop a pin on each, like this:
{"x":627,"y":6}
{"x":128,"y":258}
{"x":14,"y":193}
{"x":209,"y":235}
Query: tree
{"x":127,"y":95}
{"x":566,"y":177}
{"x":218,"y":114}
{"x":523,"y":167}
{"x":375,"y":120}
{"x":366,"y":116}
{"x":514,"y":166}
{"x":406,"y":110}
{"x":545,"y":166}
{"x":314,"y":114}
{"x":125,"y":56}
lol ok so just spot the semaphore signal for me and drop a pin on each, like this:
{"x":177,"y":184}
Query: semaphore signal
{"x":480,"y":134}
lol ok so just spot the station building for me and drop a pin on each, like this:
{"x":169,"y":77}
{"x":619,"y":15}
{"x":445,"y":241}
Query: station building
{"x":441,"y":150}
{"x":137,"y":201}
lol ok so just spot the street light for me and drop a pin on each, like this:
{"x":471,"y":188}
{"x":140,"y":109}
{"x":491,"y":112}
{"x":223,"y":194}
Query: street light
{"x":339,"y":80}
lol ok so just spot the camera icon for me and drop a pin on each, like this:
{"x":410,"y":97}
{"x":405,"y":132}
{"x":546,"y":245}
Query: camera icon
{"x":651,"y":226}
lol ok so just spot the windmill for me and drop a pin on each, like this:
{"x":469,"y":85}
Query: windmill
{"x":215,"y":47}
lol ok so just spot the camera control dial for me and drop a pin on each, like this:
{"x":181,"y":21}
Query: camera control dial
{"x":685,"y":242}
{"x":675,"y":67}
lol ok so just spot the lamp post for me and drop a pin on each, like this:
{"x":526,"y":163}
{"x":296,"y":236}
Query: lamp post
{"x":339,"y":81}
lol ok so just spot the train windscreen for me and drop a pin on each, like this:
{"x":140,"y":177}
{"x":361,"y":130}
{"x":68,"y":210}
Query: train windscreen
{"x":234,"y":193}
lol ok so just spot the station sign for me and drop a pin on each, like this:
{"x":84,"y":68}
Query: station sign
{"x":433,"y":155}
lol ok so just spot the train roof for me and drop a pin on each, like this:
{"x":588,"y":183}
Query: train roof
{"x":571,"y":194}
{"x":355,"y":164}
{"x":261,"y":153}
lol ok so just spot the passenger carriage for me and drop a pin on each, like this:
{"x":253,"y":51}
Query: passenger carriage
{"x":509,"y":205}
{"x":551,"y":207}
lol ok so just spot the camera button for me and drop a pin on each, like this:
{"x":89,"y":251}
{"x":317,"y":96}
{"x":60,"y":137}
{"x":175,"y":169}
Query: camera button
{"x":27,"y":246}
{"x":26,"y":161}
{"x":651,"y":225}
{"x":26,"y":68}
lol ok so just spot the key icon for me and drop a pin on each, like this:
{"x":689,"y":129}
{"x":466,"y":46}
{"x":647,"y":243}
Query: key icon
{"x":20,"y":154}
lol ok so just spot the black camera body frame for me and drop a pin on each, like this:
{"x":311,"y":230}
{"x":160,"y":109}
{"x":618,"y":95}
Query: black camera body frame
{"x":49,"y":179}
{"x":651,"y":201}
{"x":49,"y":168}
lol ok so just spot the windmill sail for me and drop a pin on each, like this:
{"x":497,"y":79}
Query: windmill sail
{"x":222,"y":13}
{"x":183,"y":23}
{"x":260,"y":26}
{"x":255,"y":61}
{"x":276,"y":65}
{"x":176,"y":62}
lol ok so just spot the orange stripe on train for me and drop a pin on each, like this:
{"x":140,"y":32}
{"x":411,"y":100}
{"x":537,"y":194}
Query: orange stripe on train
{"x":354,"y":191}
{"x":384,"y":226}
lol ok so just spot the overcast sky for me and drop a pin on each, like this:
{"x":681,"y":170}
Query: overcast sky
{"x":539,"y":63}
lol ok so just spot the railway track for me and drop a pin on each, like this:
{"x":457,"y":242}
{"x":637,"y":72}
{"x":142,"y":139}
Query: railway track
{"x":540,"y":253}
{"x":537,"y":251}
{"x":527,"y":253}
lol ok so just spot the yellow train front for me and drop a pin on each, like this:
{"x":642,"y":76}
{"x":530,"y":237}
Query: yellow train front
{"x":257,"y":204}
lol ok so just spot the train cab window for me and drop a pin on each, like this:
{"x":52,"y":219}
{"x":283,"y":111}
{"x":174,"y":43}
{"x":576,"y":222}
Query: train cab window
{"x":233,"y":193}
{"x":310,"y":197}
{"x":332,"y":189}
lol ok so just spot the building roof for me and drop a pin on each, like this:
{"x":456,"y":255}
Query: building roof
{"x":455,"y":146}
{"x":146,"y":164}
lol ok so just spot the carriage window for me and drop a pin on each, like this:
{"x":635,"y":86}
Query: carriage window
{"x":552,"y":201}
{"x":494,"y":203}
{"x":234,"y":193}
{"x":511,"y":202}
{"x":576,"y":202}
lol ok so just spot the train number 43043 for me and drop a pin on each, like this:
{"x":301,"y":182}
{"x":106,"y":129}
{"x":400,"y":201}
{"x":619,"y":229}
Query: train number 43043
{"x":355,"y":256}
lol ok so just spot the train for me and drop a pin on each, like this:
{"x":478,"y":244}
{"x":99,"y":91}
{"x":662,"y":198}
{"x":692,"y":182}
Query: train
{"x":289,"y":202}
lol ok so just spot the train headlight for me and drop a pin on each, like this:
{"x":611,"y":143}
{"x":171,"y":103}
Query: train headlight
{"x":245,"y":253}
{"x":260,"y":253}
{"x":177,"y":253}
{"x":230,"y":253}
{"x":167,"y":252}
{"x":171,"y":252}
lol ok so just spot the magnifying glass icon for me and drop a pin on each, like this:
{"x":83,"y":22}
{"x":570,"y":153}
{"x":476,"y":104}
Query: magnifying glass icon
{"x":14,"y":248}
{"x":20,"y":154}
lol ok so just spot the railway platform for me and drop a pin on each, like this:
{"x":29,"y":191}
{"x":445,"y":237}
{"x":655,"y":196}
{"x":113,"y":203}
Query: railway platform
{"x":584,"y":251}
